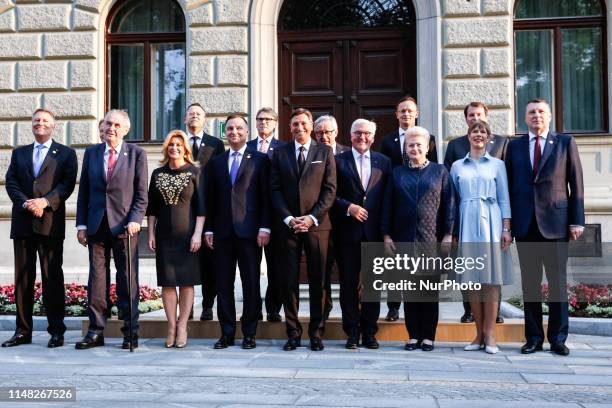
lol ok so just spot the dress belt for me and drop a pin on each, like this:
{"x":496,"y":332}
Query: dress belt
{"x":483,"y":214}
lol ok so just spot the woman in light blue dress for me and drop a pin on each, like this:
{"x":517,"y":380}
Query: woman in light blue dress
{"x":481,"y":185}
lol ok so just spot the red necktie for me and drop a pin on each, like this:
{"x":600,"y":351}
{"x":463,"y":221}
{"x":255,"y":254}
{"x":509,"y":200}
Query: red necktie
{"x":537,"y":155}
{"x":112,"y":160}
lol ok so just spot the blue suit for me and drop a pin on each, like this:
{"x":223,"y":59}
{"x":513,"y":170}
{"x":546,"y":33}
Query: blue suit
{"x":349,"y":233}
{"x":543,"y":208}
{"x":106,"y":207}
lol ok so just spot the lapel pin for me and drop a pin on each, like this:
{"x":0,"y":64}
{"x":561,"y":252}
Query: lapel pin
{"x":396,"y":139}
{"x":271,"y":148}
{"x":125,"y":153}
{"x":248,"y":156}
{"x":55,"y":152}
{"x":550,"y":141}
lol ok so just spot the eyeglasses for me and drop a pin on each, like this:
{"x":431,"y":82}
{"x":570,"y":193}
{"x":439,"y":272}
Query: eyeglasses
{"x":325,"y":132}
{"x":359,"y":133}
{"x":265,"y":120}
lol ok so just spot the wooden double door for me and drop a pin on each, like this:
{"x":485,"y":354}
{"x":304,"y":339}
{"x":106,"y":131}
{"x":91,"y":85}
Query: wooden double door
{"x":348,"y":74}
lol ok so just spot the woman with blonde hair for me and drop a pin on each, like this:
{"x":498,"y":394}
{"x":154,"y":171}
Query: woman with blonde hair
{"x":175,"y":220}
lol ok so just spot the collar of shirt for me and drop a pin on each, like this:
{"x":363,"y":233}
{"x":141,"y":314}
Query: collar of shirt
{"x":485,"y":156}
{"x":268,"y":139}
{"x":199,"y":135}
{"x":356,"y":154}
{"x":543,"y":135}
{"x":47,"y":144}
{"x":117,"y":149}
{"x":241,"y":151}
{"x":306,"y":146}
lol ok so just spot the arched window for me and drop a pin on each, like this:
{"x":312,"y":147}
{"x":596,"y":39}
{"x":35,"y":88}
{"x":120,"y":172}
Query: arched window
{"x":317,"y":14}
{"x":145,"y":65}
{"x":560,"y":55}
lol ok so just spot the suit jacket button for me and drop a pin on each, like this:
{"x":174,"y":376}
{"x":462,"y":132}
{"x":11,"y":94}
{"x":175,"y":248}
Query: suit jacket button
{"x":35,"y":182}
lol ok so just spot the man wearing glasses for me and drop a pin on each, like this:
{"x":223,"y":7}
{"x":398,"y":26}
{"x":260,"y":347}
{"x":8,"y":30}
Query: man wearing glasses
{"x":266,"y":121}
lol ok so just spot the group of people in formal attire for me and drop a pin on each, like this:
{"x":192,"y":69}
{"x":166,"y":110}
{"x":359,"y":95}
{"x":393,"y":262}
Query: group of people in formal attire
{"x":209,"y":210}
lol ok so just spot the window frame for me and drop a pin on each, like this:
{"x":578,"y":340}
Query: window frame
{"x":556,"y":25}
{"x":147,"y":39}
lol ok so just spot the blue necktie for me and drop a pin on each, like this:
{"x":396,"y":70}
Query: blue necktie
{"x":234,"y":169}
{"x":38,"y":158}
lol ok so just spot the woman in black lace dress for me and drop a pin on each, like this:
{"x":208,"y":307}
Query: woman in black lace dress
{"x":175,"y":219}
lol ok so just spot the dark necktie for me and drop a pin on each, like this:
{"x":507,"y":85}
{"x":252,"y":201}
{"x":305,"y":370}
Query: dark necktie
{"x":537,"y":155}
{"x":405,"y":158}
{"x":301,"y":160}
{"x":194,"y":147}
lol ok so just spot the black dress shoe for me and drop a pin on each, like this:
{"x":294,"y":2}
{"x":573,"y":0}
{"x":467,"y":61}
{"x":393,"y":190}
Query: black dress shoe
{"x":392,"y":314}
{"x":273,"y":317}
{"x":499,"y":319}
{"x":91,"y":340}
{"x":427,"y":347}
{"x":560,"y":349}
{"x":352,"y":342}
{"x":413,"y":346}
{"x":126,"y":342}
{"x":56,"y":340}
{"x":248,"y":343}
{"x":17,"y":340}
{"x":292,"y":343}
{"x":370,"y":342}
{"x":467,"y":317}
{"x":224,"y":342}
{"x":531,"y":347}
{"x":207,"y":314}
{"x":316,"y":344}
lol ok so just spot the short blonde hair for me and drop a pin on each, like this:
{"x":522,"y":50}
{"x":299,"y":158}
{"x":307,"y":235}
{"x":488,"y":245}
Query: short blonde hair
{"x":180,"y":135}
{"x":417,"y":131}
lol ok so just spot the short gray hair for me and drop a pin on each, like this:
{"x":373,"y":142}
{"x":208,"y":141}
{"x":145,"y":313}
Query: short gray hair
{"x":325,"y":118}
{"x":122,"y":113}
{"x":361,"y":121}
{"x":417,"y":131}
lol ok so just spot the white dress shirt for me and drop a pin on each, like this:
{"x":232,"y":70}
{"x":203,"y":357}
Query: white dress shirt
{"x":198,"y":137}
{"x":44,"y":151}
{"x":402,"y":133}
{"x":269,"y":140}
{"x":367,"y":165}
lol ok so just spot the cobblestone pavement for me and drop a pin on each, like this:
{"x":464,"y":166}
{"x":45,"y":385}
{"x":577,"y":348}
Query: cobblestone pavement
{"x":199,"y":376}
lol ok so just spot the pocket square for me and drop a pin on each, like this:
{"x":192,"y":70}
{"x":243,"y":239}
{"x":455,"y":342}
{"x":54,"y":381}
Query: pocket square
{"x":315,"y":162}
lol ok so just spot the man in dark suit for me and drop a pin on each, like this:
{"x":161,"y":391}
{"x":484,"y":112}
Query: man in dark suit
{"x":237,"y":227}
{"x":362,"y":176}
{"x":39,"y":180}
{"x":547,"y":201}
{"x":266,"y":120}
{"x":326,"y":132}
{"x":204,"y":147}
{"x":457,"y":149}
{"x":303,"y":187}
{"x":111,"y":203}
{"x":392,"y":146}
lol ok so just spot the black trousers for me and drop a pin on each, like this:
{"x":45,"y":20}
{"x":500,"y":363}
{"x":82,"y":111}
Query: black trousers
{"x":274,"y":291}
{"x":549,"y":256}
{"x":315,"y":244}
{"x":421,"y":309}
{"x":331,"y":257}
{"x":50,"y":252}
{"x":247,"y":255}
{"x":101,"y":245}
{"x":209,"y":286}
{"x":357,"y":317}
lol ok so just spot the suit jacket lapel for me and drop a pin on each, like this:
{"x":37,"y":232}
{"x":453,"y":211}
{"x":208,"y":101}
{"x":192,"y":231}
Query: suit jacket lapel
{"x":29,"y":152}
{"x":309,"y":156}
{"x":525,"y":153}
{"x":50,"y":156}
{"x":549,"y":146}
{"x":353,"y":167}
{"x":226,"y":172}
{"x":246,"y":157}
{"x":375,"y":173}
{"x":121,"y":159}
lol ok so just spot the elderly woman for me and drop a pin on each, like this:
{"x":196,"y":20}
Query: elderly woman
{"x":481,"y":185}
{"x":176,"y":218}
{"x":419,"y":208}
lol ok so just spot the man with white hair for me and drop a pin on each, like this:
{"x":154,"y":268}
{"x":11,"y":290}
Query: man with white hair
{"x":326,"y":132}
{"x":112,"y":202}
{"x":361,"y":177}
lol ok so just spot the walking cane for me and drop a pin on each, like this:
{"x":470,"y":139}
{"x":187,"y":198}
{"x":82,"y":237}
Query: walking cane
{"x":129,"y":286}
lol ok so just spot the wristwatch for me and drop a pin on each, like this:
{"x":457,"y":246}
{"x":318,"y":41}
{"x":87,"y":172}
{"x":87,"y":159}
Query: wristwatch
{"x":506,"y":229}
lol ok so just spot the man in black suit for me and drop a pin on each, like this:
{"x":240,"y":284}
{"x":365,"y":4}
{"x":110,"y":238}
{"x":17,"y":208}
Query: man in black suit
{"x":237,"y":227}
{"x":266,"y":120}
{"x":362,"y":176}
{"x":547,"y":201}
{"x":457,"y":149}
{"x":39,"y":180}
{"x":111,"y":203}
{"x":303,"y":187}
{"x":326,"y":132}
{"x":392,"y":146}
{"x":204,"y":147}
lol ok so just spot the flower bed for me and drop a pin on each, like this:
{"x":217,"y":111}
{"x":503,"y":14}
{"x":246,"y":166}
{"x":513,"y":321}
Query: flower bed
{"x":585,"y":300}
{"x":76,"y":300}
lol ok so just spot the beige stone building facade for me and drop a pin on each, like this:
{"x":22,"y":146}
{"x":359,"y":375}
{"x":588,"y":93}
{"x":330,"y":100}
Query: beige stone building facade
{"x":53,"y":54}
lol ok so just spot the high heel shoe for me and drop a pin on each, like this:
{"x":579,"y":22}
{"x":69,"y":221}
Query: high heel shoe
{"x":170,"y":345}
{"x":474,"y":347}
{"x":181,"y":344}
